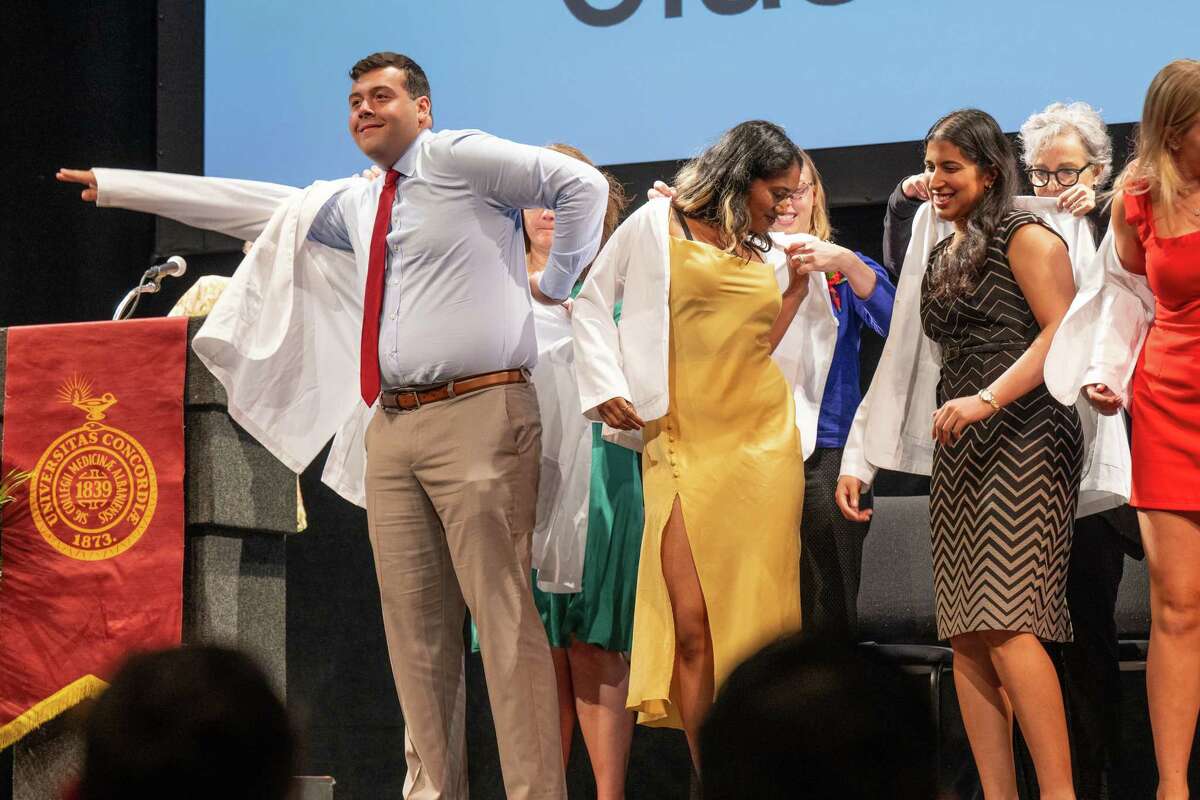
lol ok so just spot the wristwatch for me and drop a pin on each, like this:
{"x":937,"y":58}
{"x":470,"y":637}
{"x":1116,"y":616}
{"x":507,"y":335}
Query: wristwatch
{"x":986,"y":396}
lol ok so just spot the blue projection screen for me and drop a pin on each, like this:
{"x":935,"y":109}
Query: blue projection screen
{"x":650,"y":80}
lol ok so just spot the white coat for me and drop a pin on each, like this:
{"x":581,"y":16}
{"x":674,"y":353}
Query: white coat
{"x":284,"y":337}
{"x":1112,"y":313}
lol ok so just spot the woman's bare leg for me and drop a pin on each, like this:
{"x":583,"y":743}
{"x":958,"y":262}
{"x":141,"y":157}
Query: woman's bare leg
{"x":694,"y":661}
{"x":1172,"y":542}
{"x":1031,"y":683}
{"x":566,"y":700}
{"x":601,"y":681}
{"x":986,"y":715}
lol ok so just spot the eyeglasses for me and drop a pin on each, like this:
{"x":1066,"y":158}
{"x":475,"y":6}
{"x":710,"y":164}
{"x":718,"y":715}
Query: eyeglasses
{"x":1066,"y":176}
{"x":801,"y":191}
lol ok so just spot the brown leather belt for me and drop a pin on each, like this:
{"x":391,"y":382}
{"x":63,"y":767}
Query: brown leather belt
{"x":410,"y":399}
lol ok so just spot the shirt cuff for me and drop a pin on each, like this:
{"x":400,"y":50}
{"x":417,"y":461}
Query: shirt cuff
{"x":879,"y":303}
{"x":556,"y":282}
{"x":1106,"y":375}
{"x":857,"y":467}
{"x":590,"y":403}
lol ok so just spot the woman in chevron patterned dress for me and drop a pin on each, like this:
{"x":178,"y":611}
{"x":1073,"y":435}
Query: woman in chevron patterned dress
{"x":1007,"y":465}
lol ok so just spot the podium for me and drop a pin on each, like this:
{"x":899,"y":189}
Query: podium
{"x":240,"y":505}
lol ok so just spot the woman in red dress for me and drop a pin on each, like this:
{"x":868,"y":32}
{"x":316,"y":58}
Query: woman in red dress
{"x":1156,"y":228}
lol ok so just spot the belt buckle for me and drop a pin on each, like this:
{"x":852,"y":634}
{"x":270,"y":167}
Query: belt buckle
{"x":397,"y":408}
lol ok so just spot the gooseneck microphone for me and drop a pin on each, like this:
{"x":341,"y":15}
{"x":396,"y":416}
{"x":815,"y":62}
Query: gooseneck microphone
{"x":150,"y":283}
{"x":173,"y":267}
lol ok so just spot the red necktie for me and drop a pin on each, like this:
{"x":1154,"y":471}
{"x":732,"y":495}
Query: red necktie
{"x":368,"y":370}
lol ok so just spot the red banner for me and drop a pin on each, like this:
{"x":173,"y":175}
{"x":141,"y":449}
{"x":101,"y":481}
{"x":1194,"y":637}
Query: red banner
{"x":92,"y":546}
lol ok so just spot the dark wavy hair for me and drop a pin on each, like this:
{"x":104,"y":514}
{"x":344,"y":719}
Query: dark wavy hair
{"x":956,"y":268}
{"x":714,"y":186}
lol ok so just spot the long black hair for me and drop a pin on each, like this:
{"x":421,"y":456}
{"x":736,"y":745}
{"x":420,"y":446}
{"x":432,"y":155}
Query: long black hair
{"x":978,"y":136}
{"x":714,"y":186}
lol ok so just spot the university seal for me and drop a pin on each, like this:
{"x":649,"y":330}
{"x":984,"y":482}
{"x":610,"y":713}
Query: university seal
{"x":93,"y":492}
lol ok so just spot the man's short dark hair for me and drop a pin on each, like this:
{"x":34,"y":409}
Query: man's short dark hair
{"x":415,"y":82}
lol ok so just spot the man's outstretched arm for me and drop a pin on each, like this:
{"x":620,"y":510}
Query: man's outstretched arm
{"x":234,"y":207}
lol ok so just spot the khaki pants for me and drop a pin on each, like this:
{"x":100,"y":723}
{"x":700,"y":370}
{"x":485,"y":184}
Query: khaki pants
{"x":451,"y":491}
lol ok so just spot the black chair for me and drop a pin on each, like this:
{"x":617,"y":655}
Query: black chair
{"x":895,"y":604}
{"x":1133,"y":615}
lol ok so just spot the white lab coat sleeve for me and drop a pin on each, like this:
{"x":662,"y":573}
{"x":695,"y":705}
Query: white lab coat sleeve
{"x":560,"y":533}
{"x":345,"y":468}
{"x":1070,"y":356}
{"x":1102,"y":333}
{"x":1126,"y":311}
{"x":598,"y":361}
{"x":805,"y":352}
{"x":854,"y":457}
{"x":235,"y":208}
{"x":891,"y":427}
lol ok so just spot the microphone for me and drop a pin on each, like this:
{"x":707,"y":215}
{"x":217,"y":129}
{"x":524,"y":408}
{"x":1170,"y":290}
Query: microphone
{"x":173,"y":267}
{"x":150,"y":283}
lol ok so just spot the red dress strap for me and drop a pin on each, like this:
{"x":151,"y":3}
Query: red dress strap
{"x":1140,"y":214}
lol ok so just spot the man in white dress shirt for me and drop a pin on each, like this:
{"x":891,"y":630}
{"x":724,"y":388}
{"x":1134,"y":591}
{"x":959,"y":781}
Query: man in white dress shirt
{"x":453,"y":448}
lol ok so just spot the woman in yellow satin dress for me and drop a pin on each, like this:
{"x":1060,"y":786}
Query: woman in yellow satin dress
{"x":723,"y":472}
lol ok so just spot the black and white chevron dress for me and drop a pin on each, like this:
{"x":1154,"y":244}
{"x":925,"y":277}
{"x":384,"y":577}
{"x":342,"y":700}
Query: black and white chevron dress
{"x":1002,"y":498}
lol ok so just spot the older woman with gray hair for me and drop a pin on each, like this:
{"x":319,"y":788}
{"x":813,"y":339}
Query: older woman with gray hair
{"x":1067,"y":154}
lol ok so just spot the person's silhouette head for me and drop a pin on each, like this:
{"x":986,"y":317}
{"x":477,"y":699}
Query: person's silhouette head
{"x":196,"y":722}
{"x":815,"y":719}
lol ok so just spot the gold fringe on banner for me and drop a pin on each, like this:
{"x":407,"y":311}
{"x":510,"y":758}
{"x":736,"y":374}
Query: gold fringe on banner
{"x":40,"y":713}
